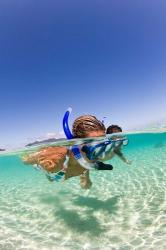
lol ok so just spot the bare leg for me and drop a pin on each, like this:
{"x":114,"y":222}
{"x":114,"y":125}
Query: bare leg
{"x":85,"y":181}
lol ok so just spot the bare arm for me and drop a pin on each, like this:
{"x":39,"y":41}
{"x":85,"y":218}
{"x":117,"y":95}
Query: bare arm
{"x":119,"y":153}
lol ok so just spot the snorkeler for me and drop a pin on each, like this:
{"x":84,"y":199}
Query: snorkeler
{"x":71,"y":162}
{"x":113,"y":129}
{"x":117,"y":150}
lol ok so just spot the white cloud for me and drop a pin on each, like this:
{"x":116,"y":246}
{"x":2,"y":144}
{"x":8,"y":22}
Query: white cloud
{"x":49,"y":135}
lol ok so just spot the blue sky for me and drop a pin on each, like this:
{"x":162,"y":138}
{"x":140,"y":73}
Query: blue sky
{"x":106,"y":58}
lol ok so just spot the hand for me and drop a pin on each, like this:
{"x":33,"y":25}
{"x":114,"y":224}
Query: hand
{"x":128,"y":162}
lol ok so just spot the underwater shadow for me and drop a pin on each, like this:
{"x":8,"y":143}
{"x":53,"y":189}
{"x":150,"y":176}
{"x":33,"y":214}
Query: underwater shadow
{"x":87,"y":224}
{"x":110,"y":205}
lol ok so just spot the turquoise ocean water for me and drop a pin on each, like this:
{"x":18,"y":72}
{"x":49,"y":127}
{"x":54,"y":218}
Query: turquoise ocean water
{"x":124,"y":209}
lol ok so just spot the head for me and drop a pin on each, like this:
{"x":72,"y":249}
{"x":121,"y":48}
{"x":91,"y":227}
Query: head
{"x":88,"y":126}
{"x":113,"y":129}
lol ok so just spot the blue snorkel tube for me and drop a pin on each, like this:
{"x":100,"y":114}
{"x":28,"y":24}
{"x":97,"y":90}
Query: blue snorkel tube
{"x":75,"y":149}
{"x":66,"y":128}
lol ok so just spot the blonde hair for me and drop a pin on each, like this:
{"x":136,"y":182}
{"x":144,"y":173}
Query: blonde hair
{"x":86,"y":123}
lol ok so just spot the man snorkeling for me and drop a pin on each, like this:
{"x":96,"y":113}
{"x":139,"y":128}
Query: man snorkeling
{"x":113,"y":129}
{"x":117,"y":150}
{"x":108,"y":151}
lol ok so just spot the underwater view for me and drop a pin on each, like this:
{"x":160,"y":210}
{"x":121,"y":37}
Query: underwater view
{"x":124,"y":209}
